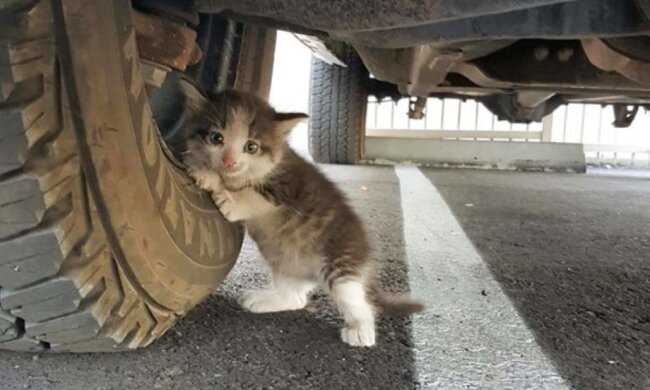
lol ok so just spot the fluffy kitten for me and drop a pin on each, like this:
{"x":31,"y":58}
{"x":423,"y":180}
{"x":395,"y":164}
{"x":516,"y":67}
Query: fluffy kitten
{"x":236,"y":148}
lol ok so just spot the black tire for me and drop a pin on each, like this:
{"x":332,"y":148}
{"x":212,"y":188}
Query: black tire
{"x":104,"y":242}
{"x":337,"y":110}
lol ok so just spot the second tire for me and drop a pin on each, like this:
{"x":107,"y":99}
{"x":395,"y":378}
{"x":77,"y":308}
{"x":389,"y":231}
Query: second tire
{"x":337,"y":110}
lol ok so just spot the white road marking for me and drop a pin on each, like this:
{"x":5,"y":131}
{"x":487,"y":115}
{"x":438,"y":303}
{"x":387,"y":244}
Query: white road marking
{"x":465,"y":339}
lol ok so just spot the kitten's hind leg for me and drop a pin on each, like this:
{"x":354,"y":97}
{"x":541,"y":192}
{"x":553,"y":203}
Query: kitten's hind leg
{"x":350,"y":296}
{"x":288,"y":293}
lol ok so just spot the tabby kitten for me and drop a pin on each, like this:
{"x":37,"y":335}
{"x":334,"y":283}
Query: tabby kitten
{"x":236,"y":148}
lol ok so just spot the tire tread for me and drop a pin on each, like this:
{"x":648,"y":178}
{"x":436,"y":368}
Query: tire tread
{"x":60,"y":288}
{"x":337,"y":110}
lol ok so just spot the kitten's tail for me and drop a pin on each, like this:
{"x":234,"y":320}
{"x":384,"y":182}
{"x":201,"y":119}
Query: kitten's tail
{"x":392,"y":305}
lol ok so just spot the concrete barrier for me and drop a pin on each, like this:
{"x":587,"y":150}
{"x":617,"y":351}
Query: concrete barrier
{"x":503,"y":155}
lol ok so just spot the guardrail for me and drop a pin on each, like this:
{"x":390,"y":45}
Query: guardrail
{"x":452,"y":119}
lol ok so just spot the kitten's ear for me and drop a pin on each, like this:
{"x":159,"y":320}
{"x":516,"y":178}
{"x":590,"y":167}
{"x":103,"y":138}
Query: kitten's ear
{"x":195,"y":99}
{"x":285,"y":121}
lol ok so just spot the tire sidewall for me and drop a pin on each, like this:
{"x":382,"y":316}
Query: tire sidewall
{"x":174,"y":242}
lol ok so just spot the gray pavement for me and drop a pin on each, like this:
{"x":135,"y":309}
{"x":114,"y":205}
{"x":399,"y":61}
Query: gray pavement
{"x":573,"y":254}
{"x":570,"y":252}
{"x":471,"y":336}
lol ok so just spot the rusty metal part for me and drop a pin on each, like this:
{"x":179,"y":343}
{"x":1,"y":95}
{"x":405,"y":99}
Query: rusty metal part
{"x":575,"y":76}
{"x":417,"y":107}
{"x":624,"y":114}
{"x":165,"y":42}
{"x":476,"y":75}
{"x":607,"y":85}
{"x":637,"y":47}
{"x":421,"y":69}
{"x":431,"y":64}
{"x":429,"y":68}
{"x":539,"y":66}
{"x":608,"y":59}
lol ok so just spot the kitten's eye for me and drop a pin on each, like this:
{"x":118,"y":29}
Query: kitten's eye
{"x":215,"y":138}
{"x":251,"y":147}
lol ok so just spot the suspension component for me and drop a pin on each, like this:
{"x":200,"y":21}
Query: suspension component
{"x":163,"y":45}
{"x":417,"y":107}
{"x":624,"y":114}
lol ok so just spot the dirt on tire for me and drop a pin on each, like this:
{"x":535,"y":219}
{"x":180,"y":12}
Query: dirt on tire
{"x":104,"y":242}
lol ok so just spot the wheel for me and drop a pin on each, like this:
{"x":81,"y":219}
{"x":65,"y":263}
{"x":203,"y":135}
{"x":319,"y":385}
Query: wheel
{"x":337,"y":109}
{"x":104,"y":241}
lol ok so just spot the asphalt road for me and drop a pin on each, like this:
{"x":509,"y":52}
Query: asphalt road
{"x":573,"y":254}
{"x":570,"y":252}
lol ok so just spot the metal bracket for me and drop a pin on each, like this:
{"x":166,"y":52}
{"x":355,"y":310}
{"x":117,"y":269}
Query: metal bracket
{"x":417,"y":108}
{"x":320,"y":49}
{"x":163,"y":41}
{"x":608,"y":59}
{"x":624,"y":114}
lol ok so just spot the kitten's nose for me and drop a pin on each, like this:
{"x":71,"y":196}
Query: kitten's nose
{"x":229,"y":162}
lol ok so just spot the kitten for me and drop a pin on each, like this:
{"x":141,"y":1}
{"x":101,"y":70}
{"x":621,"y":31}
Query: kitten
{"x":236,"y":148}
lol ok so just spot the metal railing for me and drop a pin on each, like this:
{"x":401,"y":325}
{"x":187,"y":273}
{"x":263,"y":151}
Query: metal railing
{"x":453,"y":119}
{"x":591,"y":125}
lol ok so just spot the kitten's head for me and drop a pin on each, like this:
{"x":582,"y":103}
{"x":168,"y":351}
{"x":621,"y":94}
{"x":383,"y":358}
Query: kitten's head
{"x":234,"y":134}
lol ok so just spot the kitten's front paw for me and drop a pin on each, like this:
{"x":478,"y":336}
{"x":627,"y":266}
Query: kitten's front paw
{"x":226,"y":204}
{"x":268,"y":301}
{"x":359,"y":335}
{"x":204,"y":179}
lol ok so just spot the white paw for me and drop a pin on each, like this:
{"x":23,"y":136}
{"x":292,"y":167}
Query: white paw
{"x":205,"y":180}
{"x":360,"y":335}
{"x":226,"y":204}
{"x":268,"y":301}
{"x":199,"y":179}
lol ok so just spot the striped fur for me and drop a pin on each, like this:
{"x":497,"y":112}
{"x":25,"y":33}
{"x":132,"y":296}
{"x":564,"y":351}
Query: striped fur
{"x":302,"y":223}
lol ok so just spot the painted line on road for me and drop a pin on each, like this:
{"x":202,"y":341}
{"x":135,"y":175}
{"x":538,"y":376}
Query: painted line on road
{"x":470,"y":335}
